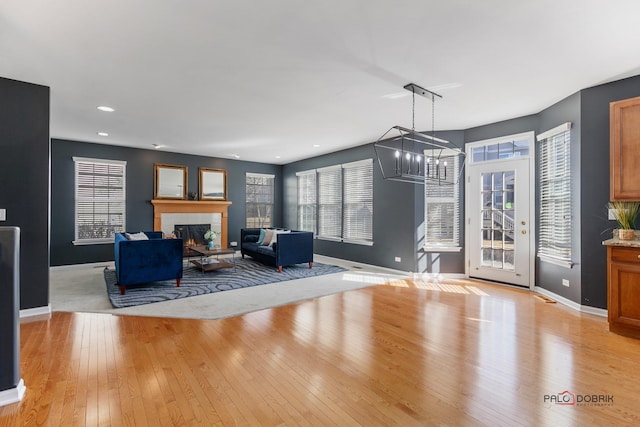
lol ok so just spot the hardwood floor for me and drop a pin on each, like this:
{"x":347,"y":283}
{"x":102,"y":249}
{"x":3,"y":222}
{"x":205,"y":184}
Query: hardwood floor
{"x":408,"y":353}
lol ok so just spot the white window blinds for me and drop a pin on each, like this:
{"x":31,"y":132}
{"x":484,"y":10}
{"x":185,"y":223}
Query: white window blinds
{"x":357,"y":212}
{"x":100,"y":199}
{"x":259,"y":199}
{"x":554,"y":181}
{"x":442,"y":204}
{"x":307,"y":200}
{"x":337,"y":202}
{"x":330,"y":202}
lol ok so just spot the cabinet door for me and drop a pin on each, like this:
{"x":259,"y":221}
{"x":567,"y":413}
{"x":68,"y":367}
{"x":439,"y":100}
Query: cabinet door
{"x":624,"y":294}
{"x":625,"y":149}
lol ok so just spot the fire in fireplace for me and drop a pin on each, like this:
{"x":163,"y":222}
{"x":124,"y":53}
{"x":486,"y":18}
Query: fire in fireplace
{"x":191,"y":234}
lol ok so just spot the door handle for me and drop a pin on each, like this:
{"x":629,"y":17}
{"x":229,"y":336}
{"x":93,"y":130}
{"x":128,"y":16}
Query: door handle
{"x":524,"y":232}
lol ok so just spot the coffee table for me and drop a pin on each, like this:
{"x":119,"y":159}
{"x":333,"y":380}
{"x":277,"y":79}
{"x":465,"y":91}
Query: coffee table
{"x":207,"y":263}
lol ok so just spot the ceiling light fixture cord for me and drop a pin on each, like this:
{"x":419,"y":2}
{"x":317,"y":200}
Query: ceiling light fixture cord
{"x":413,"y":110}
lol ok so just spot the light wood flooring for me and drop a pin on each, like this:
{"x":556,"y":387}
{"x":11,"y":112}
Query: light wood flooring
{"x":410,"y":353}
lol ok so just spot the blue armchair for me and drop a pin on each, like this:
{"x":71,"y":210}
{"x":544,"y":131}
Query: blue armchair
{"x":145,"y":261}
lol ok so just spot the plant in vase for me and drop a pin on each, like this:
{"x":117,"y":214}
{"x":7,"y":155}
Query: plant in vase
{"x":210,"y":236}
{"x":625,"y":214}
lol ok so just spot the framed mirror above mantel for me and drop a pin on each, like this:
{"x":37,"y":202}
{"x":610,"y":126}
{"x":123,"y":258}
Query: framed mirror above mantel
{"x":169,"y":181}
{"x":212,"y":184}
{"x":163,"y":208}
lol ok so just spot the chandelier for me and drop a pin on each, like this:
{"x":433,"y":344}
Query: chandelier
{"x":407,"y":155}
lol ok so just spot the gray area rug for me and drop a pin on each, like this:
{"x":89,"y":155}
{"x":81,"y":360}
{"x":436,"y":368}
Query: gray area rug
{"x":246,"y":273}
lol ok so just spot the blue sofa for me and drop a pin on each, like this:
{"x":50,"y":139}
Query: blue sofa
{"x":145,"y":261}
{"x":295,"y":247}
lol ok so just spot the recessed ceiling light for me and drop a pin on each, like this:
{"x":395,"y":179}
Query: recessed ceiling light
{"x":156,"y":146}
{"x":277,"y":157}
{"x":105,"y":108}
{"x":235,"y":156}
{"x":316,"y":145}
{"x":102,"y":134}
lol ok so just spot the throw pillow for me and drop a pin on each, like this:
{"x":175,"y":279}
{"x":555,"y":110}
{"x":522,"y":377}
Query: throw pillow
{"x":252,"y":238}
{"x":267,"y":238}
{"x":136,"y":236}
{"x":262,"y":234}
{"x":274,"y":239}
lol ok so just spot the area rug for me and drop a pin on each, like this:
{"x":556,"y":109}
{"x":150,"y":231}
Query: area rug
{"x":194,"y":282}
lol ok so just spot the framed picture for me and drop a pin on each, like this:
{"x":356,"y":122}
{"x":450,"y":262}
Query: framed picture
{"x":212,"y":184}
{"x":170,"y":182}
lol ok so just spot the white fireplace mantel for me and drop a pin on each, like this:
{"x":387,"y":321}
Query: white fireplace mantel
{"x":161,"y":207}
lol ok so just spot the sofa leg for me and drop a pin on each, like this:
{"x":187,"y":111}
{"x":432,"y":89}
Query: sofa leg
{"x":123,"y":289}
{"x":310,"y":264}
{"x":177,"y":283}
{"x":279,"y":269}
{"x":242,"y":256}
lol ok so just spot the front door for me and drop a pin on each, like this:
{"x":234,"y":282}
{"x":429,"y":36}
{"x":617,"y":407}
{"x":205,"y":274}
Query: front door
{"x":498,"y":220}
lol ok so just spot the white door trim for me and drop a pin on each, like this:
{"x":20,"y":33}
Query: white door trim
{"x":532,"y":195}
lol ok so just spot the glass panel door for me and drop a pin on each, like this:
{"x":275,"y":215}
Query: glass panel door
{"x":498,"y":221}
{"x":497,"y":212}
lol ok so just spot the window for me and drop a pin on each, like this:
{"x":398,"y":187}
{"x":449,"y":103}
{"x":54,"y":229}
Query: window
{"x":442,"y":203}
{"x":307,"y":200}
{"x":330,"y":202}
{"x":337,"y":202}
{"x":99,"y":200}
{"x":260,"y":200}
{"x":357,"y":208}
{"x":554,"y":181}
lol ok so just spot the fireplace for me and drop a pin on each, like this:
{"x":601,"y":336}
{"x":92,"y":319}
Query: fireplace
{"x":191,"y":234}
{"x":168,"y":214}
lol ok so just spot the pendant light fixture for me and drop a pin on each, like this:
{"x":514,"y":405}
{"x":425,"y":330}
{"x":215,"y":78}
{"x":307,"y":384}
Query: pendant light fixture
{"x":407,"y":155}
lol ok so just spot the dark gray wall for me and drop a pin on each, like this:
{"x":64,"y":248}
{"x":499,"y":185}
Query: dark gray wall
{"x":140,"y":166}
{"x":594,"y":178}
{"x":549,"y":276}
{"x":439,"y":262}
{"x":398,"y":207}
{"x":393,"y":213}
{"x":398,"y":217}
{"x":24,"y":182}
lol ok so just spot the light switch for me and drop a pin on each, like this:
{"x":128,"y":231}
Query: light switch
{"x":3,"y":214}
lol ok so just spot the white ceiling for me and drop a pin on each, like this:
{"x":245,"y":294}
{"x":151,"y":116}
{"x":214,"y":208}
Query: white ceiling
{"x":260,"y":79}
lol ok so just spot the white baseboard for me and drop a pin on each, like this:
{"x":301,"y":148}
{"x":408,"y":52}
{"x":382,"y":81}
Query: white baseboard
{"x":36,"y":311}
{"x":595,"y":311}
{"x":13,"y":395}
{"x":102,"y":264}
{"x":571,"y":304}
{"x":347,"y":263}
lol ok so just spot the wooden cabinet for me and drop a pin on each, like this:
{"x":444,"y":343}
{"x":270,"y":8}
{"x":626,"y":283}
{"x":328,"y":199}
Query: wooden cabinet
{"x":623,"y":302}
{"x":625,"y":149}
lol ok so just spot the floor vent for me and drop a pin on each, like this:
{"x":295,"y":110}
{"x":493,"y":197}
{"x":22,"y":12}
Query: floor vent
{"x":545,"y":299}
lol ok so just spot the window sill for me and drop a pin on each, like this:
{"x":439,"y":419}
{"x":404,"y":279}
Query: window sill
{"x":442,"y":248}
{"x":355,"y":242}
{"x":556,"y":261}
{"x":92,"y":242}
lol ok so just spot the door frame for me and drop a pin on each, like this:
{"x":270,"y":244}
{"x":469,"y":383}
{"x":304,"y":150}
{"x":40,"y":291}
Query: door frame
{"x":533,"y":219}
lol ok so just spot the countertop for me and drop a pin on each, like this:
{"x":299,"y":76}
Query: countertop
{"x":615,"y":241}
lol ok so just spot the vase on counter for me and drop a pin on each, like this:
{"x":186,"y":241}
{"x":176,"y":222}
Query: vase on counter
{"x":626,"y":234}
